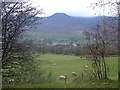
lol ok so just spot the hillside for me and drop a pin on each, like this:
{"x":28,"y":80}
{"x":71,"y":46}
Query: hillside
{"x":62,"y":27}
{"x":59,"y":23}
{"x":88,"y":22}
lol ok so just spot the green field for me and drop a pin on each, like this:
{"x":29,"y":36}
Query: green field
{"x":66,"y":64}
{"x":56,"y":37}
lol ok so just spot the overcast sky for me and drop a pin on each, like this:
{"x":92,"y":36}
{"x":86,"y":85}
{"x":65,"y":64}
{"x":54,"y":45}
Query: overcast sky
{"x":70,"y":7}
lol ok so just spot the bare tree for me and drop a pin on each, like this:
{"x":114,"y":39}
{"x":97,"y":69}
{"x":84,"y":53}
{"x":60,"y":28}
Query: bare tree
{"x":103,"y":37}
{"x":97,"y":44}
{"x":16,"y":18}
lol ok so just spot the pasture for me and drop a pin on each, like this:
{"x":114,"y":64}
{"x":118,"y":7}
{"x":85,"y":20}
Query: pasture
{"x":65,"y":65}
{"x":56,"y":38}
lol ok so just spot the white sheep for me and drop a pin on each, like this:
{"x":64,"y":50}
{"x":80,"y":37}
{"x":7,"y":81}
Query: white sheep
{"x":86,"y":66}
{"x":54,"y":64}
{"x":73,"y":73}
{"x":63,"y":77}
{"x":83,"y":58}
{"x":11,"y":81}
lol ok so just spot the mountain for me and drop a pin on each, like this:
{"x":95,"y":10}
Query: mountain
{"x":62,"y":27}
{"x":88,"y":22}
{"x":60,"y":23}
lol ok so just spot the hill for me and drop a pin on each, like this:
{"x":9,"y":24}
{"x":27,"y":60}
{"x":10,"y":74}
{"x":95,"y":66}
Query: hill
{"x":59,"y":23}
{"x":62,"y":27}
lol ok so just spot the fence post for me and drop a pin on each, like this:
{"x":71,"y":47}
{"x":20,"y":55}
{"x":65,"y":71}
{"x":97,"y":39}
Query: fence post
{"x":82,"y":76}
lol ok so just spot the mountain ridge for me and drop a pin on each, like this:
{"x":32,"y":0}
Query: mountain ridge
{"x":60,"y":23}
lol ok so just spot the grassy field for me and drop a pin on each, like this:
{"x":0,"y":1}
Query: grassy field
{"x":56,"y":37}
{"x":66,"y":64}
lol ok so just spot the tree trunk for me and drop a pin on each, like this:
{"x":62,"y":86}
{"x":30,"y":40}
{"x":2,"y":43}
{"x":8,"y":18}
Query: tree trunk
{"x":105,"y":68}
{"x":105,"y":71}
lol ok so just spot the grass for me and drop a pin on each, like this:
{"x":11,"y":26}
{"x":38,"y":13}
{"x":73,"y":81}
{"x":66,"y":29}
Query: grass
{"x":66,"y":64}
{"x":88,"y":84}
{"x":56,"y":37}
{"x":112,"y":63}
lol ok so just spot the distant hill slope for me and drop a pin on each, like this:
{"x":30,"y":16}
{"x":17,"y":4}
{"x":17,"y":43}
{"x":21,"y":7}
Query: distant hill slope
{"x":61,"y":26}
{"x":60,"y":23}
{"x":88,"y":22}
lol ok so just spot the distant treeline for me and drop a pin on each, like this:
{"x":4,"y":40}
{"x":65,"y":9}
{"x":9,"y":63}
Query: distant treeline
{"x":47,"y":46}
{"x":72,"y":50}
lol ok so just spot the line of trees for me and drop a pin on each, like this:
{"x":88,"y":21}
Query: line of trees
{"x":72,"y":50}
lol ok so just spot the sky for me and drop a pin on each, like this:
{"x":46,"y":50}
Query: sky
{"x":70,"y":7}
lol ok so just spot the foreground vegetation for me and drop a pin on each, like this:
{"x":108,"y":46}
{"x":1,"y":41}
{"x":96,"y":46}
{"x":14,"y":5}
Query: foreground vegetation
{"x":85,"y":84}
{"x":66,"y":64}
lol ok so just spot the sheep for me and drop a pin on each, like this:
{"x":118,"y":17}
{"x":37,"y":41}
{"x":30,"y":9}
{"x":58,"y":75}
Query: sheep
{"x":83,"y":58}
{"x":63,"y":77}
{"x":73,"y":73}
{"x":54,"y":64}
{"x":105,"y":83}
{"x":86,"y":66}
{"x":11,"y":81}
